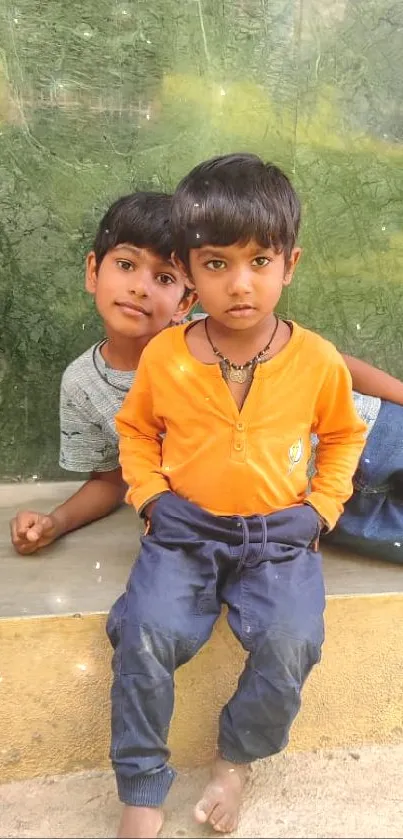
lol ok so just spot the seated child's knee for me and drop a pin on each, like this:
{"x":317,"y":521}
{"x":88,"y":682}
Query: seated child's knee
{"x":288,"y":654}
{"x":396,"y":482}
{"x":153,"y":646}
{"x":114,"y":621}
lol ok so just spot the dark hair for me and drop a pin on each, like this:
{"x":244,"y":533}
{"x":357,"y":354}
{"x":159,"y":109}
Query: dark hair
{"x":235,"y":198}
{"x":141,"y":219}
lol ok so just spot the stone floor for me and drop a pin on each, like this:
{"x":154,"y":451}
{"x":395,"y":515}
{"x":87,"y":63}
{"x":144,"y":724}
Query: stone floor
{"x":344,"y":793}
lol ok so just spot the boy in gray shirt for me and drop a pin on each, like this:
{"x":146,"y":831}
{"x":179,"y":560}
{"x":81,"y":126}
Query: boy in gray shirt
{"x":138,"y":292}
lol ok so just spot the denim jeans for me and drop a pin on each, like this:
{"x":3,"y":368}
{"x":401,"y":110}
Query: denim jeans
{"x":372,"y":522}
{"x":264,"y":568}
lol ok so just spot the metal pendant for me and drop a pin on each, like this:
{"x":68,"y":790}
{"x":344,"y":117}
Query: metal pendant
{"x":238,"y":375}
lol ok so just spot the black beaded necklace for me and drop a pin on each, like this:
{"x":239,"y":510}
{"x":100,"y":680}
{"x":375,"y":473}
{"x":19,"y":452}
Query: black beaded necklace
{"x":101,"y":373}
{"x":240,"y":373}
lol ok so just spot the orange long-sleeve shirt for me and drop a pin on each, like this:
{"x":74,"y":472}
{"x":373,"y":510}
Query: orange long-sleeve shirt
{"x":181,"y":430}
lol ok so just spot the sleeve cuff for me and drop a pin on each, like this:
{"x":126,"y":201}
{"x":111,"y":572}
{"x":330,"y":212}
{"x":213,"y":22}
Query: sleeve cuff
{"x":149,"y":501}
{"x":325,"y":524}
{"x":328,"y":509}
{"x":141,"y":496}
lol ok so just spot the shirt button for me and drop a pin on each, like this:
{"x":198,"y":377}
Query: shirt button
{"x":238,"y":447}
{"x":240,"y":426}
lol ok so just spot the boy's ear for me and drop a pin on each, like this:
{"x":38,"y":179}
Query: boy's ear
{"x":183,"y":270}
{"x":91,"y":274}
{"x":290,"y":265}
{"x":186,"y":305}
{"x":189,"y":298}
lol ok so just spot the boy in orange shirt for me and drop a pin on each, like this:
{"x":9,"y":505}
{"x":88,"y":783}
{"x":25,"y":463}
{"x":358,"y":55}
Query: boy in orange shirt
{"x":214,"y":445}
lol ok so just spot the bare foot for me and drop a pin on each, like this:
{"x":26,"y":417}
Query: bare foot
{"x":221,"y":799}
{"x":140,"y":823}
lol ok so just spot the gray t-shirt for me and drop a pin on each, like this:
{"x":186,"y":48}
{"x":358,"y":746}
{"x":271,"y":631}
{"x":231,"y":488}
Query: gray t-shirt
{"x":367,"y":408}
{"x":90,"y":396}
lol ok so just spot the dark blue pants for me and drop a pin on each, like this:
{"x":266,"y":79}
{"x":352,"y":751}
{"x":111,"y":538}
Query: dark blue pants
{"x":265,"y":570}
{"x":372,"y":522}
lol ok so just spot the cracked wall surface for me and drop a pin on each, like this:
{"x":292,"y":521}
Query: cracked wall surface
{"x":101,"y":98}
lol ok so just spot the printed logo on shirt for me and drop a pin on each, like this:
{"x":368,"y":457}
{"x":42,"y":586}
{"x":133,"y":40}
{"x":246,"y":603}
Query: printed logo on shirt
{"x":295,"y":453}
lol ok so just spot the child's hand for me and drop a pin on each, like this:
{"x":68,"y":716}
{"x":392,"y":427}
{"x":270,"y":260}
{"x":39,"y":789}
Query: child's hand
{"x":148,"y":511}
{"x":323,"y":527}
{"x":32,"y":531}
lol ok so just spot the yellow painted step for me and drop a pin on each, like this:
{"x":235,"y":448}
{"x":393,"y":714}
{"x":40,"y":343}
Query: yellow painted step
{"x":55,"y":668}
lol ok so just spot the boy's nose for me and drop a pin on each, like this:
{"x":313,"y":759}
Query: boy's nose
{"x":240,"y":282}
{"x":140,"y":283}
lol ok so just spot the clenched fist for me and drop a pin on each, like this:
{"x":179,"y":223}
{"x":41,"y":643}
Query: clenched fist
{"x":31,"y":531}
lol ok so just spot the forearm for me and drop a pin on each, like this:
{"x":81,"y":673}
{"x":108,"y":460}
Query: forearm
{"x":140,"y":429}
{"x":141,"y":467}
{"x":332,"y":484}
{"x":98,"y":497}
{"x":374,"y":382}
{"x":341,"y":440}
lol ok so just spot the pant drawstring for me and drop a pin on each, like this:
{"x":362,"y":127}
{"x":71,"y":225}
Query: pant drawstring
{"x":246,"y":542}
{"x":263,"y":543}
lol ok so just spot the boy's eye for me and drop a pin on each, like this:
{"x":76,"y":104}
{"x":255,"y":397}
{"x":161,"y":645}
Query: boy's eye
{"x":216,"y":264}
{"x":165,"y":279}
{"x":125,"y":264}
{"x":261,"y":261}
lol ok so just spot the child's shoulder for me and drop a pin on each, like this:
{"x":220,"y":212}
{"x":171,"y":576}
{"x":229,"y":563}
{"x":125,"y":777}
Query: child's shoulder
{"x":162,"y":345}
{"x":320,"y":349}
{"x":80,"y":369}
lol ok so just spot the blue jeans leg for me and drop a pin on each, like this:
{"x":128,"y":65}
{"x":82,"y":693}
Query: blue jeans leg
{"x":276,"y":612}
{"x":372,"y":522}
{"x":156,"y":626}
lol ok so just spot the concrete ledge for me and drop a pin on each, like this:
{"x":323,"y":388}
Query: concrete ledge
{"x":87,"y":570}
{"x":54,"y":693}
{"x":55,"y":667}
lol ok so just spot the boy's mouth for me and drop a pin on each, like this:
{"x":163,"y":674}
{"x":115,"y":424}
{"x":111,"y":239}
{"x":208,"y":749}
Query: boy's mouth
{"x":241,"y":309}
{"x":131,"y":308}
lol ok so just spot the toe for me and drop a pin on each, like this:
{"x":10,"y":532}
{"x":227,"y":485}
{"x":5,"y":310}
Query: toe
{"x":208,"y":803}
{"x":204,"y":810}
{"x":200,"y":812}
{"x":217,"y":815}
{"x":232,"y":824}
{"x":225,"y":824}
{"x":220,"y":827}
